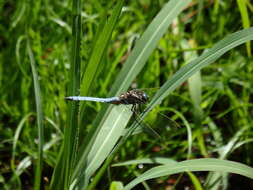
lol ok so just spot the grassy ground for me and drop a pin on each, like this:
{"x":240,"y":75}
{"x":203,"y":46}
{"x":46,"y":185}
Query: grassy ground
{"x":52,"y":49}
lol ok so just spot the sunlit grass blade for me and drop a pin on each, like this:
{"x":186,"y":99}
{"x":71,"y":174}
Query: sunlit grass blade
{"x":116,"y":185}
{"x":205,"y":164}
{"x":107,"y":137}
{"x":39,"y":113}
{"x":155,"y":160}
{"x":111,"y":131}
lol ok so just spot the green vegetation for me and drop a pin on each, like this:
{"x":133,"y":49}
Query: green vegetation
{"x":195,"y":56}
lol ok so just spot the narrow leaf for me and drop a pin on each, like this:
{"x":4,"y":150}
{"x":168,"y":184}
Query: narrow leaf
{"x":205,"y":164}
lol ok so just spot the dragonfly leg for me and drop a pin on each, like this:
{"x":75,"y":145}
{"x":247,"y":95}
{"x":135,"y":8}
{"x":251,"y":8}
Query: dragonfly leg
{"x":142,"y":123}
{"x":133,"y":108}
{"x":139,"y":108}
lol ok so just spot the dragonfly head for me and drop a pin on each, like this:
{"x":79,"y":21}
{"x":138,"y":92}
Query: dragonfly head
{"x":134,"y":96}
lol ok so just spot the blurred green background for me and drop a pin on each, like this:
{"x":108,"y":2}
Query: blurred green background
{"x":216,"y":103}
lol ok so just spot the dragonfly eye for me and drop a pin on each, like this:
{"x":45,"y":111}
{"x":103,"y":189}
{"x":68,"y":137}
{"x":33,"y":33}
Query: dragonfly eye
{"x":145,"y":97}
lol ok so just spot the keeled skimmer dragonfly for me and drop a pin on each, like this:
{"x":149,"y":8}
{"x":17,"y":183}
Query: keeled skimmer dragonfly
{"x":134,"y":97}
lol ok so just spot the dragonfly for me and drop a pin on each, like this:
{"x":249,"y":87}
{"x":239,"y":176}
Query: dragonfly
{"x":133,"y":97}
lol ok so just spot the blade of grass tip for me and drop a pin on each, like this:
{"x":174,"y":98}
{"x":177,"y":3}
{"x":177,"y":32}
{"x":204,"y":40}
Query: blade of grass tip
{"x":19,"y":42}
{"x":19,"y":14}
{"x":231,"y":41}
{"x":194,"y":82}
{"x":39,"y":112}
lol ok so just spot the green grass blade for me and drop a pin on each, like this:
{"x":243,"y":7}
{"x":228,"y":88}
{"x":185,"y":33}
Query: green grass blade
{"x":195,"y":181}
{"x":67,"y":155}
{"x":59,"y":172}
{"x":71,"y":132}
{"x":155,"y":160}
{"x":245,"y":20}
{"x":205,"y":164}
{"x":107,"y":137}
{"x":39,"y":113}
{"x":18,"y":58}
{"x":228,"y":43}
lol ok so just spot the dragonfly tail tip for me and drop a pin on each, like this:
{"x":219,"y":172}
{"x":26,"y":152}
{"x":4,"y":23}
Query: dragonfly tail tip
{"x":68,"y":98}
